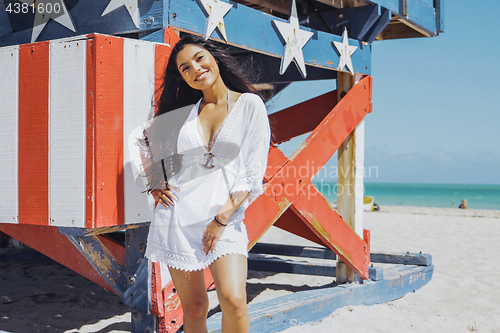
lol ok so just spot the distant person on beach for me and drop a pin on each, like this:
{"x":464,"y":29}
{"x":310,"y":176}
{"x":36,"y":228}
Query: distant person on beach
{"x":463,"y":205}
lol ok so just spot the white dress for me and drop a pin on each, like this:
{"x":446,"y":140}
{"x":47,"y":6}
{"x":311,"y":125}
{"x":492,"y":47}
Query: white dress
{"x":239,"y":156}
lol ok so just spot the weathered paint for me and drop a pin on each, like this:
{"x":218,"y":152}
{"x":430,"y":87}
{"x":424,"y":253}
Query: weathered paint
{"x":312,"y":306}
{"x":59,"y":248}
{"x":102,"y":260}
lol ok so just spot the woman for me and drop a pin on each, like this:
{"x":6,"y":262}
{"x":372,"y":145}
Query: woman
{"x":223,"y":146}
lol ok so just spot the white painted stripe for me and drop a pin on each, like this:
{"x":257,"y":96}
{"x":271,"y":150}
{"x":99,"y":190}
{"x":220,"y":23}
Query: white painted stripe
{"x":9,"y":124}
{"x":138,"y":92}
{"x":67,"y":131}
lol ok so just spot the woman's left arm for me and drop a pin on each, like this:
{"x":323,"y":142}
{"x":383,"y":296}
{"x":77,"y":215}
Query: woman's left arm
{"x":214,"y":230}
{"x":248,"y":184}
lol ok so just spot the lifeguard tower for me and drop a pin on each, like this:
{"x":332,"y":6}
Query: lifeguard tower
{"x":78,"y":77}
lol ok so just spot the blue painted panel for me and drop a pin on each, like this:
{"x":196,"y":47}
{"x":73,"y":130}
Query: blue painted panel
{"x":393,"y":5}
{"x":422,"y":13}
{"x":87,"y":18}
{"x":254,"y":30}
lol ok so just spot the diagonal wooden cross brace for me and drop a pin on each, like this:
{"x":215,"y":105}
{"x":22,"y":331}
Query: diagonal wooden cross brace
{"x":291,"y":201}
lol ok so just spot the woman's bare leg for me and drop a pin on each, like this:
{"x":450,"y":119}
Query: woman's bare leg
{"x":230,"y":276}
{"x":191,"y":289}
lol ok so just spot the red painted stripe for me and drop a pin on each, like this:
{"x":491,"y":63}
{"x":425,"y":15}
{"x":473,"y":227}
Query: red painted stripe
{"x":109,"y":196}
{"x":34,"y":133}
{"x":90,"y":145}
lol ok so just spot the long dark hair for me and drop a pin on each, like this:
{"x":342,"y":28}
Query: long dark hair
{"x":176,"y":93}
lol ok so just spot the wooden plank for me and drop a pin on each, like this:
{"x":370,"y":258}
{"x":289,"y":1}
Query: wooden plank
{"x":33,"y":133}
{"x":312,"y":306}
{"x":67,"y":132}
{"x":294,"y":251}
{"x":301,"y":118}
{"x":82,"y":232}
{"x":350,"y":176}
{"x":9,"y":85}
{"x":138,"y":93}
{"x":59,"y":248}
{"x":102,"y":261}
{"x":402,"y":258}
{"x":318,"y":52}
{"x":258,"y":263}
{"x":289,"y":221}
{"x":109,"y":188}
{"x":332,"y":229}
{"x":90,"y":150}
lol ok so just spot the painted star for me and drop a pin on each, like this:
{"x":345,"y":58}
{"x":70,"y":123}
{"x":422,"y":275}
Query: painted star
{"x":295,"y":40}
{"x":346,"y":52}
{"x":130,"y":5}
{"x":216,"y":10}
{"x":41,"y":19}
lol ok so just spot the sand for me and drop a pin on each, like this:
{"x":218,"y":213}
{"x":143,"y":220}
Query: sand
{"x":463,"y":295}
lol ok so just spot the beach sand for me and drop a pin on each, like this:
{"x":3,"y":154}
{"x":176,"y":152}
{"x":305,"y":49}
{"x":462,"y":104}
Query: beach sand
{"x":463,"y":295}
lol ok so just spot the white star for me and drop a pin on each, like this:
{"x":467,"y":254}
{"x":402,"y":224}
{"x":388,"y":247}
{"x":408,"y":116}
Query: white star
{"x":130,"y":5}
{"x":295,"y":40}
{"x":42,"y":17}
{"x":346,"y":52}
{"x":216,"y":10}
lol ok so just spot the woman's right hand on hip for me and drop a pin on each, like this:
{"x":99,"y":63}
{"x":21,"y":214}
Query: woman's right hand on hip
{"x":165,"y":196}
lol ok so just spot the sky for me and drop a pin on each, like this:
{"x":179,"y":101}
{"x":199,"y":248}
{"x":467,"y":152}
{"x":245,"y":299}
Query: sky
{"x":436,"y":113}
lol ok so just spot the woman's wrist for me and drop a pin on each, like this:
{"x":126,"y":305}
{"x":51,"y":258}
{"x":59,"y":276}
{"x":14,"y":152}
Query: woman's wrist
{"x":219,"y":222}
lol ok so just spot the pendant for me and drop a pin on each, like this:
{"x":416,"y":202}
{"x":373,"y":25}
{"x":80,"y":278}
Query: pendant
{"x":209,"y":159}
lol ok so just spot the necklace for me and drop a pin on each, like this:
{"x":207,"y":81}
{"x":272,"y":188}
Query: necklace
{"x":210,"y":155}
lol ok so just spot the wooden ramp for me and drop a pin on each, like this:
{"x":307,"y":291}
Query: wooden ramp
{"x":394,"y":276}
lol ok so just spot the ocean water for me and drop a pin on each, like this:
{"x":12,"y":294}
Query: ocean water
{"x":424,"y":195}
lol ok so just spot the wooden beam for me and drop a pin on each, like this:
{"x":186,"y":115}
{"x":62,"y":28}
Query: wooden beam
{"x":259,"y":263}
{"x":59,"y":248}
{"x":294,"y":251}
{"x":402,"y":258}
{"x":312,"y":306}
{"x":301,"y":118}
{"x":350,"y":160}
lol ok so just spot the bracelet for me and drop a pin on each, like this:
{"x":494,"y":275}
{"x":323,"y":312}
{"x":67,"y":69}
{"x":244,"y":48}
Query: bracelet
{"x":216,"y":220}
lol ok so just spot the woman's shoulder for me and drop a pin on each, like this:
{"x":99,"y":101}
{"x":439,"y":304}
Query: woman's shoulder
{"x":253,"y":102}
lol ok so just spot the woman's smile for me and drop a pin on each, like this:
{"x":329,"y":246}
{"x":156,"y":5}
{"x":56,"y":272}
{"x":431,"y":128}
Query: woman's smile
{"x":202,"y":76}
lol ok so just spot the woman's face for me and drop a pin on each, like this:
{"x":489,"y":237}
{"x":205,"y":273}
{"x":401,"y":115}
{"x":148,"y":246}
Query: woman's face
{"x":197,"y":67}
